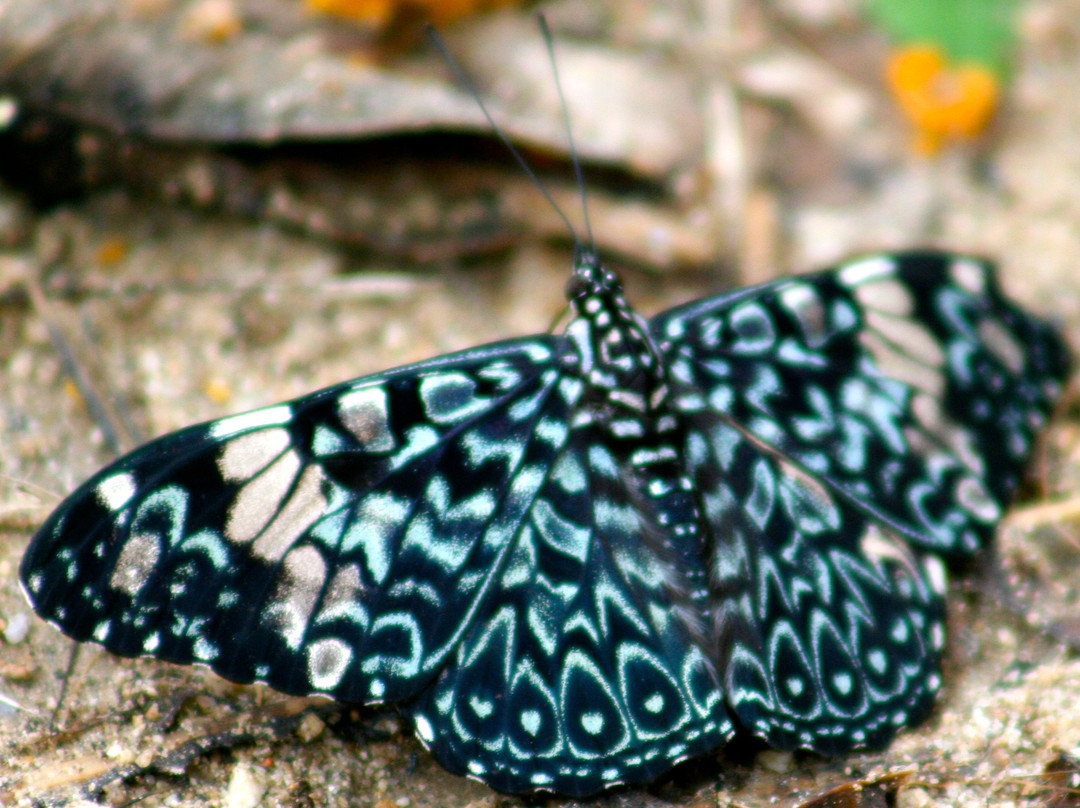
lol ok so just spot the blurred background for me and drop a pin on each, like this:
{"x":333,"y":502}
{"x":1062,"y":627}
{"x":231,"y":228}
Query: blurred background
{"x":212,"y":205}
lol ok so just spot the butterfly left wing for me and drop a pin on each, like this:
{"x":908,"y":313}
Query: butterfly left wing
{"x":452,"y":534}
{"x":339,"y":543}
{"x":907,"y":383}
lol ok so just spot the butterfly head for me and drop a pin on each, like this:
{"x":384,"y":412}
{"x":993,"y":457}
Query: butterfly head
{"x":592,"y":281}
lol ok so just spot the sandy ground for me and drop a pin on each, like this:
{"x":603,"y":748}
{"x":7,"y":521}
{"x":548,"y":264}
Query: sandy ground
{"x":241,"y":314}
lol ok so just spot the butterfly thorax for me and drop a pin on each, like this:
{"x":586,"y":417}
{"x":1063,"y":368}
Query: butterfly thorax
{"x":616,"y":357}
{"x":626,"y":396}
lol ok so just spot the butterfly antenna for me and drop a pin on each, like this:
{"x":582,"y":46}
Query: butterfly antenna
{"x":466,"y":82}
{"x":549,"y":41}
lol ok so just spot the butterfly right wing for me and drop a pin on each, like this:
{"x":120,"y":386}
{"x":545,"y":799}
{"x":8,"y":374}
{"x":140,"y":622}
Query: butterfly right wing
{"x":839,"y":426}
{"x":340,"y":543}
{"x":907,"y":383}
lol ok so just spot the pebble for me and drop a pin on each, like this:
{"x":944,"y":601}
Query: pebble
{"x":311,"y":727}
{"x":17,"y":628}
{"x":247,"y":787}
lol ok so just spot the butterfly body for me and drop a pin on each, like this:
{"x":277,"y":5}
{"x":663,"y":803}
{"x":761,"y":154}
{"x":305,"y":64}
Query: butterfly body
{"x":577,"y":559}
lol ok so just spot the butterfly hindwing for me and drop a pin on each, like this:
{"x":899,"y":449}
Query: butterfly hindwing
{"x":585,"y":668}
{"x":906,"y":383}
{"x":829,"y":629}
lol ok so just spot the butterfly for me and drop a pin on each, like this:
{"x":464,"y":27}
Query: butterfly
{"x":576,"y":559}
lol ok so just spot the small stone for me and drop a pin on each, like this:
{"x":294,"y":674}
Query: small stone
{"x":18,"y":626}
{"x":247,"y":787}
{"x":144,"y":759}
{"x":775,"y":760}
{"x":21,"y":671}
{"x":914,"y":797}
{"x":311,"y":727}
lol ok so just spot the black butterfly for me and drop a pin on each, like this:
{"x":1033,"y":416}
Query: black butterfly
{"x":575,"y":560}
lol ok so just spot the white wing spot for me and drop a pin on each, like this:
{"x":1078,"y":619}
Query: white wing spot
{"x":901,"y":365}
{"x":593,"y":723}
{"x":205,"y":651}
{"x":900,"y":631}
{"x":423,"y":729}
{"x":305,"y":507}
{"x":344,"y":598}
{"x":917,"y":339}
{"x":937,"y":636}
{"x":936,"y":574}
{"x":803,"y":301}
{"x":136,"y":562}
{"x":245,"y":456}
{"x":366,"y":414}
{"x":969,"y":275}
{"x":972,"y":495}
{"x":886,"y":295}
{"x":327,"y":661}
{"x":260,"y":499}
{"x":256,"y":419}
{"x":482,"y":707}
{"x":1003,"y":345}
{"x":961,"y":441}
{"x":116,"y":491}
{"x":859,"y":272}
{"x":299,"y":588}
{"x":530,"y":721}
{"x":877,"y":660}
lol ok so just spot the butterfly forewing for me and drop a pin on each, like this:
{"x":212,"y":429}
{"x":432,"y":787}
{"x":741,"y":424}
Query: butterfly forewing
{"x":906,"y":383}
{"x":338,"y":544}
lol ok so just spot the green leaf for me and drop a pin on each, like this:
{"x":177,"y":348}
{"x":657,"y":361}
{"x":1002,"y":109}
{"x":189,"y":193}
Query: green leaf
{"x":979,"y":31}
